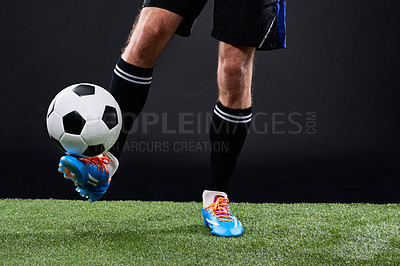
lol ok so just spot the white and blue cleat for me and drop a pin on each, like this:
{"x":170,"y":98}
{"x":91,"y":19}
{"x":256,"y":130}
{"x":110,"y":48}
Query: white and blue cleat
{"x":220,"y":220}
{"x":91,"y":176}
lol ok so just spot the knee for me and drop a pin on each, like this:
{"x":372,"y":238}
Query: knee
{"x":235,"y":62}
{"x":232,"y":69}
{"x":149,"y":36}
{"x":234,"y":75}
{"x":233,"y":87}
{"x":235,"y":68}
{"x":143,"y":46}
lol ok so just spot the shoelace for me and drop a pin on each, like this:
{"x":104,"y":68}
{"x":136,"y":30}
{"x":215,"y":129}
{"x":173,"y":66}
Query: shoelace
{"x":99,"y":162}
{"x":221,"y":209}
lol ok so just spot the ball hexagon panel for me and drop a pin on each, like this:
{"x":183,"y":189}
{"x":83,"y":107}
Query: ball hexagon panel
{"x":55,"y":126}
{"x":66,"y":102}
{"x":84,"y":90}
{"x":90,"y":108}
{"x":95,"y":132}
{"x":105,"y":96}
{"x":73,"y":123}
{"x":73,"y":144}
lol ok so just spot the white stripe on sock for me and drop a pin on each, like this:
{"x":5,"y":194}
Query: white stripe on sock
{"x":132,"y":80}
{"x":132,"y":76}
{"x":232,"y":116}
{"x":230,"y":120}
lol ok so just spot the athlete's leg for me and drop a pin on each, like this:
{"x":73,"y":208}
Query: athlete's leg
{"x":152,"y":31}
{"x":133,"y":73}
{"x":231,"y":119}
{"x":248,"y":24}
{"x":235,"y":71}
{"x":232,"y":114}
{"x":129,"y":86}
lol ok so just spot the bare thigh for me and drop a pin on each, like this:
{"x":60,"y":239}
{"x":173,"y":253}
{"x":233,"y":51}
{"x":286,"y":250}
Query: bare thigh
{"x":150,"y":34}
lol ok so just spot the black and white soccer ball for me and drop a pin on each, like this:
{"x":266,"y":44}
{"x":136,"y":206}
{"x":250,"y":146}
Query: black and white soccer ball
{"x":84,"y":120}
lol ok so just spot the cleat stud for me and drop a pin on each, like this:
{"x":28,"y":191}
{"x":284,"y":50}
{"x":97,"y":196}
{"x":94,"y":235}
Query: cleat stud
{"x":60,"y":165}
{"x":59,"y":170}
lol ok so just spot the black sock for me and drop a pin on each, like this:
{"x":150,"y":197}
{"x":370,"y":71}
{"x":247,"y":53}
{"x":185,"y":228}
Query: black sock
{"x":228,"y":132}
{"x":129,"y":86}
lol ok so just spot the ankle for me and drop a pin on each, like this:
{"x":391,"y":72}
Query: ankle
{"x":209,"y":196}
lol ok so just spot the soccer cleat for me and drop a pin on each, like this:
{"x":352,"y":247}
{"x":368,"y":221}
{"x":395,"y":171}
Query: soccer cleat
{"x":91,"y":176}
{"x":219,"y":218}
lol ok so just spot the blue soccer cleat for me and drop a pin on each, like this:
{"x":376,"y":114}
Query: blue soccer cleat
{"x":219,"y":218}
{"x":91,"y":176}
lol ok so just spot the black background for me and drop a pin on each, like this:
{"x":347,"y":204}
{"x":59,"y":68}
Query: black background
{"x":342,"y":63}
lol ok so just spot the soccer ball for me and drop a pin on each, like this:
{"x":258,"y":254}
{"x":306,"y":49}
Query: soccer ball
{"x":84,"y":120}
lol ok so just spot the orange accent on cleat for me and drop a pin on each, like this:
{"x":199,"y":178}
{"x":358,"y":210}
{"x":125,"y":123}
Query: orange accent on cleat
{"x":69,"y":174}
{"x":100,"y":162}
{"x":221,"y":209}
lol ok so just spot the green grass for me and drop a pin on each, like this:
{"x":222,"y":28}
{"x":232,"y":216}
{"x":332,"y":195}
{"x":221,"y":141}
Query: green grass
{"x":131,"y":232}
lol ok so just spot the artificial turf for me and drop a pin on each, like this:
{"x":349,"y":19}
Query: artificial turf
{"x":168,"y":233}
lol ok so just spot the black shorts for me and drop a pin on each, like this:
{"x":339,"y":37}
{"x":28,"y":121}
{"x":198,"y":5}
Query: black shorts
{"x":255,"y":23}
